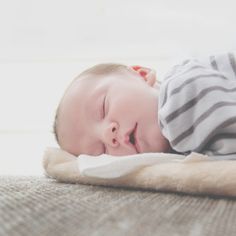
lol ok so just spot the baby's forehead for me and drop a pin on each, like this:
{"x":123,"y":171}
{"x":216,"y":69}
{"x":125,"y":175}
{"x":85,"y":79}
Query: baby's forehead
{"x":83,"y":87}
{"x":89,"y":82}
{"x":92,"y":80}
{"x":85,"y":82}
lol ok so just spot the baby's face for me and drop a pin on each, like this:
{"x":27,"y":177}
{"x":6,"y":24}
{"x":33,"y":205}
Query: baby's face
{"x":115,"y":114}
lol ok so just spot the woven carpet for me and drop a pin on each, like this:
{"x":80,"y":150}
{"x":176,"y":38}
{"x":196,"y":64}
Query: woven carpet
{"x":41,"y":206}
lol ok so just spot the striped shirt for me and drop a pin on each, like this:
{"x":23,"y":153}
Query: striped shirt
{"x":197,"y":106}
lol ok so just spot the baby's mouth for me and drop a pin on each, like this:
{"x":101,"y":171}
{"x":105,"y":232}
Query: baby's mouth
{"x":133,"y":138}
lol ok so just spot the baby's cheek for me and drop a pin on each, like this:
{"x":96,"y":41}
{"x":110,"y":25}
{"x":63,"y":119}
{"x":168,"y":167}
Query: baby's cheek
{"x":124,"y":105}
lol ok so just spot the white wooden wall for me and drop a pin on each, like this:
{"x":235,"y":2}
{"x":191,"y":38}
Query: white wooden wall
{"x":44,"y":44}
{"x":65,"y":30}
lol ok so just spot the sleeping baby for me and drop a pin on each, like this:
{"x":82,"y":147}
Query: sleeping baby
{"x":123,"y":110}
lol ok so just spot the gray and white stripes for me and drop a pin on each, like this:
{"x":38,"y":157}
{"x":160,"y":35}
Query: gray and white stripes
{"x":197,"y":105}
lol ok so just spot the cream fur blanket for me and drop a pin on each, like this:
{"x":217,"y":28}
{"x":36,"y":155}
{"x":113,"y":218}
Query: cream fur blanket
{"x":194,"y":174}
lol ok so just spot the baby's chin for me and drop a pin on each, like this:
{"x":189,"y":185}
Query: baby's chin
{"x":162,"y":145}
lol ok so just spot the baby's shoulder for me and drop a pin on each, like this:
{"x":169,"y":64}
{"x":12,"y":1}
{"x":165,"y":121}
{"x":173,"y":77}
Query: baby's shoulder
{"x":185,"y":68}
{"x":224,"y":63}
{"x":189,"y":79}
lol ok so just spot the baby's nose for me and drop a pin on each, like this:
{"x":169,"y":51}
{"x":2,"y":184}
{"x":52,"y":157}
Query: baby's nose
{"x":111,"y":134}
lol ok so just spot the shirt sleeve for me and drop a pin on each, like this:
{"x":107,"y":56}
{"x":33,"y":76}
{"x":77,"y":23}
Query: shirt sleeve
{"x":197,"y":106}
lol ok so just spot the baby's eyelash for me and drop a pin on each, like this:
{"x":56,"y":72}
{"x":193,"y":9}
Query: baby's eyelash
{"x":103,"y":107}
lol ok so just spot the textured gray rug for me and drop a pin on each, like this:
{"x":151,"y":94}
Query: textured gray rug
{"x":42,"y":207}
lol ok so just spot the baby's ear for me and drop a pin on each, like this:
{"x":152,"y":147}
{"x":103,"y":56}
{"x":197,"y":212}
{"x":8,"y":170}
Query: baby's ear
{"x":149,"y":75}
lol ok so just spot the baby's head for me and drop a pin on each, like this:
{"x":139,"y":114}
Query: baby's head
{"x":113,"y":109}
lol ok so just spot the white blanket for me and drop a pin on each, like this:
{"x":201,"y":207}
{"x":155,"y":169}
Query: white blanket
{"x":109,"y":167}
{"x":195,"y":173}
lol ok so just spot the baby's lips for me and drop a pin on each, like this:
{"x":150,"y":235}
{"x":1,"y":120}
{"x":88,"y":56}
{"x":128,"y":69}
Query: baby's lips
{"x":126,"y":137}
